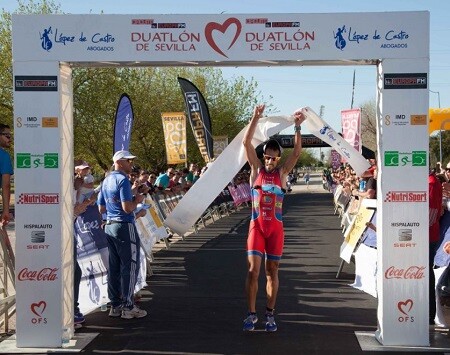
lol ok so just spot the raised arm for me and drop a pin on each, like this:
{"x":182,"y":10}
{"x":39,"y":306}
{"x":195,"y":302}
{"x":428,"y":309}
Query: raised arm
{"x":291,"y":160}
{"x":250,"y":151}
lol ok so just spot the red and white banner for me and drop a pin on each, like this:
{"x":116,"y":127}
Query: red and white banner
{"x":351,"y":127}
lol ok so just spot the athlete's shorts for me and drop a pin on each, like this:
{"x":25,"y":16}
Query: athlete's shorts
{"x":270,"y":243}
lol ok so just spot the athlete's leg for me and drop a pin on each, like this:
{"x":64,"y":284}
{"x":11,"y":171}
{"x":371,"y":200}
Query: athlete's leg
{"x":274,"y":251}
{"x":272,"y":282}
{"x":251,"y":284}
{"x":255,"y":253}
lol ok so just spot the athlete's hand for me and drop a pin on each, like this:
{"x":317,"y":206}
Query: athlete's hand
{"x":299,"y":117}
{"x":258,"y":111}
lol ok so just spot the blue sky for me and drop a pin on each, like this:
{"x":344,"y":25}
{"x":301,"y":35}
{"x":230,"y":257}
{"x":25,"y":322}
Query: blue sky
{"x":327,"y":86}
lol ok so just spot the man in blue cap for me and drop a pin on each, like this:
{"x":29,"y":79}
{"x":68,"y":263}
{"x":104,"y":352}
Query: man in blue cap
{"x":117,"y":200}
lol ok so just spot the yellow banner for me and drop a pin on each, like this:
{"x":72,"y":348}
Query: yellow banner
{"x":174,"y":125}
{"x":439,"y":119}
{"x":354,"y":232}
{"x":219,"y":144}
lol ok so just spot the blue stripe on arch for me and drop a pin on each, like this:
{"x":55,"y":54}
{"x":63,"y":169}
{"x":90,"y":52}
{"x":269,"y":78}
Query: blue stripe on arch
{"x":254,"y":252}
{"x":273,"y":257}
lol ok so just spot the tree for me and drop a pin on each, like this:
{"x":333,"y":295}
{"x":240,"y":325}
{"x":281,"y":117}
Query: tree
{"x":435,"y":149}
{"x":369,"y":124}
{"x":152,"y":91}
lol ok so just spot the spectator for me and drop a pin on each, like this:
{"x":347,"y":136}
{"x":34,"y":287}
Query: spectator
{"x":371,"y":184}
{"x":435,"y":212}
{"x":197,"y":175}
{"x":307,"y":177}
{"x":6,"y":170}
{"x":117,"y":201}
{"x":81,"y":170}
{"x":163,"y":180}
{"x":183,"y":179}
{"x":143,"y":176}
{"x":151,"y":183}
{"x":190,"y":175}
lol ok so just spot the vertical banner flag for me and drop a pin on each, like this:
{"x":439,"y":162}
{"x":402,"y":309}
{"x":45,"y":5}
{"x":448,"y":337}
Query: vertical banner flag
{"x":335,"y":159}
{"x":199,"y":118}
{"x":174,"y":126}
{"x":220,"y":143}
{"x":123,"y":123}
{"x":351,"y":127}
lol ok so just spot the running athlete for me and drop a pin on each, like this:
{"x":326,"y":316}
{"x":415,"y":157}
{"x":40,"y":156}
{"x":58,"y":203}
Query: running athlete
{"x":266,"y":235}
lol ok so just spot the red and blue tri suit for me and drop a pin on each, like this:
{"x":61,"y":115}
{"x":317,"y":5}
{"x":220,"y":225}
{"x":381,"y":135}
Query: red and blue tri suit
{"x":266,"y":234}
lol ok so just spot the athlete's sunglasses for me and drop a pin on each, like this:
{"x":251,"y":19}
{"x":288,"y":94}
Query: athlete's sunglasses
{"x":269,"y":157}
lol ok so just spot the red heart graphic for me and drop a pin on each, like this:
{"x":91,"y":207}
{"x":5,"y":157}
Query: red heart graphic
{"x":213,"y":26}
{"x":405,"y":307}
{"x":38,"y":308}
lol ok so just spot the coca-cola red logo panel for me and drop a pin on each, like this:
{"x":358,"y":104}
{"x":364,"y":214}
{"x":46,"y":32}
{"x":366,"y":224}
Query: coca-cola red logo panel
{"x":45,"y":274}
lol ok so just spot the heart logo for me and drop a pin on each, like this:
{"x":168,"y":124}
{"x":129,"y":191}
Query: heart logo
{"x":214,"y":26}
{"x":405,"y":307}
{"x":38,"y":308}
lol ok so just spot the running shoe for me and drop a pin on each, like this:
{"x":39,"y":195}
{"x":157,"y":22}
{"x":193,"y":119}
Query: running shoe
{"x":271,"y":326}
{"x":115,"y":311}
{"x":135,"y":312}
{"x":250,"y":321}
{"x":78,"y":318}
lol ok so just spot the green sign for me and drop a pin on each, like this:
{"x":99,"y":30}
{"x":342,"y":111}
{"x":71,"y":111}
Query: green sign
{"x":28,"y":160}
{"x":396,"y":158}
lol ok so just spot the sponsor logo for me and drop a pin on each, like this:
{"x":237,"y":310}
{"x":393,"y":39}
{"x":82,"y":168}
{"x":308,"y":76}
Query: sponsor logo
{"x":49,"y":122}
{"x":404,"y":239}
{"x":142,"y":21}
{"x":396,"y":158}
{"x":169,"y":25}
{"x":406,"y":196}
{"x":410,"y":273}
{"x":38,"y":199}
{"x":34,"y":122}
{"x":283,"y":24}
{"x":37,"y":236}
{"x":418,"y":120}
{"x":391,"y":39}
{"x":28,"y":160}
{"x":405,"y":224}
{"x":45,"y":274}
{"x":405,"y":308}
{"x":333,"y":136}
{"x":404,"y":234}
{"x":35,"y":83}
{"x":266,"y":199}
{"x":49,"y":38}
{"x":396,"y":120}
{"x":256,"y":21}
{"x":38,"y":226}
{"x":406,"y":81}
{"x":38,"y":310}
{"x":37,"y":240}
{"x":231,"y":26}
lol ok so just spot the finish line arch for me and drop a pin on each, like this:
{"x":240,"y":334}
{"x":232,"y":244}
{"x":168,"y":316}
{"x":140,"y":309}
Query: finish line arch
{"x":46,"y":47}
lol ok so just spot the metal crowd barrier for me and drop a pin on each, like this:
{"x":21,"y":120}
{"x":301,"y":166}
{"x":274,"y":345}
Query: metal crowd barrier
{"x":222,"y":206}
{"x":7,"y":279}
